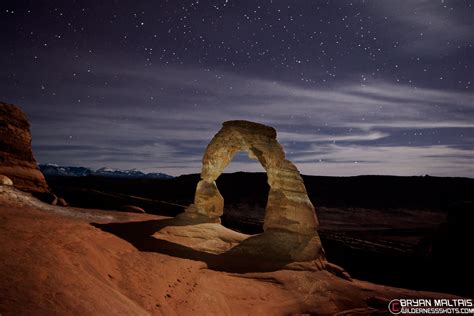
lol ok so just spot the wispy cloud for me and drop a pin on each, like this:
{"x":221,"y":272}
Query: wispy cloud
{"x":399,"y":160}
{"x":163,"y":119}
{"x":427,"y":27}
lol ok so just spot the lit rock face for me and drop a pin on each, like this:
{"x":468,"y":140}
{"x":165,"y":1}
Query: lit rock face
{"x":4,"y":180}
{"x":288,"y":207}
{"x":16,"y":156}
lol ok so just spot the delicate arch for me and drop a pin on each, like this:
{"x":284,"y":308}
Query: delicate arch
{"x":288,"y":206}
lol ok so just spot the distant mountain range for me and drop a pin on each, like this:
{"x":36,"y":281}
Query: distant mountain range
{"x":55,"y":170}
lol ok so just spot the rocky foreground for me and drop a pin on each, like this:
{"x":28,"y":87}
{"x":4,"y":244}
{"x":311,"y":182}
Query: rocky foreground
{"x":58,"y":260}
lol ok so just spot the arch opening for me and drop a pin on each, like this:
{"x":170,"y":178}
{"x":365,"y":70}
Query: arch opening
{"x":245,"y":194}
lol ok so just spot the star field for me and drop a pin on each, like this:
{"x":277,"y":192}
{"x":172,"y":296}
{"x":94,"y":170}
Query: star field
{"x":353,"y":87}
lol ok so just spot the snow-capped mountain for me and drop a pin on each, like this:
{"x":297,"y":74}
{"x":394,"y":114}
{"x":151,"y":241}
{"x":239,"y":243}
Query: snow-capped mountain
{"x":55,"y":170}
{"x":134,"y":173}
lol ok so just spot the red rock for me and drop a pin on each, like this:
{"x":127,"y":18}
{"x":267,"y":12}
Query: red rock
{"x":16,"y":156}
{"x":62,"y":202}
{"x":132,"y":209}
{"x":59,"y":264}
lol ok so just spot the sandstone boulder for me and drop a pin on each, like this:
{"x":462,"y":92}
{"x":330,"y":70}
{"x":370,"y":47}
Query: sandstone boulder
{"x":16,"y":156}
{"x":132,"y":209}
{"x":49,"y":198}
{"x":4,"y":180}
{"x":62,"y":202}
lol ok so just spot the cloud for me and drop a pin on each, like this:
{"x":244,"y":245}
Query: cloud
{"x":162,"y":119}
{"x":394,"y":160}
{"x":313,"y":138}
{"x":427,"y":27}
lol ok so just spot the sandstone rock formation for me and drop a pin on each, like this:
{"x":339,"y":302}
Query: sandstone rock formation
{"x":16,"y":157}
{"x":288,"y":210}
{"x":4,"y":180}
{"x":132,"y":209}
{"x":62,"y":202}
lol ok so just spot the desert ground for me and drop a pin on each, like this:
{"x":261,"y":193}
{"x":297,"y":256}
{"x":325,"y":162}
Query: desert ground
{"x":59,"y":261}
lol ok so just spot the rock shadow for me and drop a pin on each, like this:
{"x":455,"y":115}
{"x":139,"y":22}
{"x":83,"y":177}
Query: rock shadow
{"x":259,"y":253}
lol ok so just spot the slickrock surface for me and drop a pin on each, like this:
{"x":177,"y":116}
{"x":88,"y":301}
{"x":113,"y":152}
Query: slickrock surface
{"x":54,"y":262}
{"x":16,"y":156}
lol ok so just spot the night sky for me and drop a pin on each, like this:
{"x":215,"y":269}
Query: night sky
{"x":352,"y":87}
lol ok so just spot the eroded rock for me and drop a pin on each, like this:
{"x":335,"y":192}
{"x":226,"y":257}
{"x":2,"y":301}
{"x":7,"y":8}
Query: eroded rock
{"x":62,"y":202}
{"x":132,"y":209}
{"x":288,"y":210}
{"x":4,"y":180}
{"x":16,"y":156}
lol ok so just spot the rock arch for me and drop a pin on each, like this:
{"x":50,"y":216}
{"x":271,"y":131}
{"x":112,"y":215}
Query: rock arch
{"x":288,"y":207}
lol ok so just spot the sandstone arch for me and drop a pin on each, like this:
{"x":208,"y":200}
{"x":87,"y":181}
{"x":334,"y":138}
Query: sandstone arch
{"x":288,"y":207}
